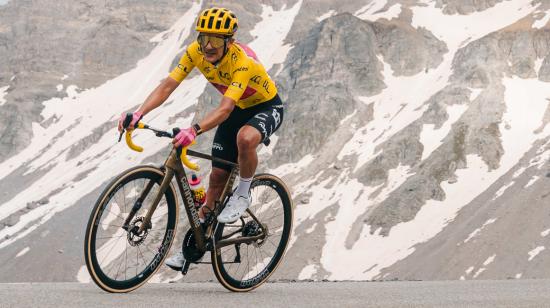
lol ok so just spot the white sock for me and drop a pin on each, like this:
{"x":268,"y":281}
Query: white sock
{"x":244,"y":187}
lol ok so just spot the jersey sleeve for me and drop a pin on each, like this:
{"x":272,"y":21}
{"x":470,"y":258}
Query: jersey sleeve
{"x":239,"y":82}
{"x":186,"y":63}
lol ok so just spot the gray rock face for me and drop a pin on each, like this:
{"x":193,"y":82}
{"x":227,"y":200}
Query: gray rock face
{"x":89,"y":42}
{"x":465,"y":7}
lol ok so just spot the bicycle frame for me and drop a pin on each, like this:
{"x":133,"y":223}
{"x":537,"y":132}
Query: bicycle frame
{"x":173,"y":167}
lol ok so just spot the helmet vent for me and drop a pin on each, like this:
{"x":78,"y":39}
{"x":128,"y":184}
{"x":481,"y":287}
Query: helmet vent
{"x":218,"y":24}
{"x":210,"y":22}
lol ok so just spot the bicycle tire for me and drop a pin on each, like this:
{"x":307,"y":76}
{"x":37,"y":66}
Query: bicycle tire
{"x":94,"y":264}
{"x":221,"y":263}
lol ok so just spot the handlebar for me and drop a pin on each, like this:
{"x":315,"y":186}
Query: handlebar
{"x":182,"y":151}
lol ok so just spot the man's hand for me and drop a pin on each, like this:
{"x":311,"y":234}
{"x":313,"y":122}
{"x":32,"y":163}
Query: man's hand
{"x":136,"y":117}
{"x":185,"y":137}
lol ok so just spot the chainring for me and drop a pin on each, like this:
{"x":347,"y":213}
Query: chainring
{"x":189,"y":248}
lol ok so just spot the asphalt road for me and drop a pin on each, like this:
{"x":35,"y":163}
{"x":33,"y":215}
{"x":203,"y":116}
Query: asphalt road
{"x":509,"y":293}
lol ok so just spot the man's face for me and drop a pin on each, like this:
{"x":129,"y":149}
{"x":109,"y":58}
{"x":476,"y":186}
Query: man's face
{"x":212,"y":46}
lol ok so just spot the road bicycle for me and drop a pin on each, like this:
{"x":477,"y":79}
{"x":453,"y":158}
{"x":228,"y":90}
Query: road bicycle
{"x":133,"y":224}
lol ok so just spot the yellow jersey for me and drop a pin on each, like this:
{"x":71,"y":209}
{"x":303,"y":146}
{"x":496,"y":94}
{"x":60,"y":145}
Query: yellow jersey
{"x":239,"y":75}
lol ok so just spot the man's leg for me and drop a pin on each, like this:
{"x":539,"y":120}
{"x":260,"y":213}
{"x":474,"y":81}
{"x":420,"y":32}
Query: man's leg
{"x":248,"y":140}
{"x":218,"y":178}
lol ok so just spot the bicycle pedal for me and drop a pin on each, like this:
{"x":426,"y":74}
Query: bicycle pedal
{"x":175,"y":268}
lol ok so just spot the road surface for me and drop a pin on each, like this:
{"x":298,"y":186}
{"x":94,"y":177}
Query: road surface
{"x":505,"y":293}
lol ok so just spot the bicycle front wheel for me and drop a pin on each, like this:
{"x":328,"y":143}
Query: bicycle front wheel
{"x":119,"y":258}
{"x":245,"y":266}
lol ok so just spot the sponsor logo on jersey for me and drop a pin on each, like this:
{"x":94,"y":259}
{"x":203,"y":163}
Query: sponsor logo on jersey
{"x":237,"y":84}
{"x":241,"y":69}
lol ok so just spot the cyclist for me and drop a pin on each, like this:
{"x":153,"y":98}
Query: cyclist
{"x":249,"y":112}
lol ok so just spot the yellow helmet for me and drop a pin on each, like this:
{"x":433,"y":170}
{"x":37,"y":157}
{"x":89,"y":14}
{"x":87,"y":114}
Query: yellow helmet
{"x":218,"y":21}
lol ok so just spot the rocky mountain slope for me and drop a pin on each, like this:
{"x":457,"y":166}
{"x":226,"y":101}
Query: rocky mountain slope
{"x":415,"y":135}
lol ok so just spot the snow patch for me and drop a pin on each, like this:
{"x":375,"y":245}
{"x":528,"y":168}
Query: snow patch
{"x":65,"y":77}
{"x":269,"y":44}
{"x":326,"y":15}
{"x":23,"y":252}
{"x":479,"y":271}
{"x":349,"y":116}
{"x":538,"y":64}
{"x":72,"y":91}
{"x":293,"y":167}
{"x":83,"y":276}
{"x":474,"y":93}
{"x":489,"y":260}
{"x":469,"y":270}
{"x":533,"y":253}
{"x":432,"y":138}
{"x":478,"y":230}
{"x":373,"y":11}
{"x":541,"y":22}
{"x":59,"y":87}
{"x":308,"y":272}
{"x":461,"y":29}
{"x":545,"y":233}
{"x":518,"y":276}
{"x":532,"y":181}
{"x":502,"y":190}
{"x":311,"y":229}
{"x":3,"y":93}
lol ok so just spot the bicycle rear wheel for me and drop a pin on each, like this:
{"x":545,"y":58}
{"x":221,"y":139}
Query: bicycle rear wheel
{"x":121,"y":260}
{"x":244,"y":267}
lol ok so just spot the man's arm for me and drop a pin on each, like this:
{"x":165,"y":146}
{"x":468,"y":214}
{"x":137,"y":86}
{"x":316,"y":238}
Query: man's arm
{"x":218,"y":115}
{"x":159,"y":95}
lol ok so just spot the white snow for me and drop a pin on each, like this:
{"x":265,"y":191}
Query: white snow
{"x":474,"y":93}
{"x":23,"y":252}
{"x":87,"y":109}
{"x":532,"y":181}
{"x":59,"y":87}
{"x":65,"y":77}
{"x":489,"y":260}
{"x":3,"y":93}
{"x":469,"y":270}
{"x":518,"y":275}
{"x":311,"y":229}
{"x":519,"y":172}
{"x":460,"y":29}
{"x":538,"y":64}
{"x":373,"y":11}
{"x":432,"y":138}
{"x":271,"y":32}
{"x":349,"y":116}
{"x":545,"y":233}
{"x":502,"y":190}
{"x":326,"y":15}
{"x":478,"y":230}
{"x":72,"y":91}
{"x":308,"y":272}
{"x":533,"y":253}
{"x":83,"y":275}
{"x":285,"y":169}
{"x":394,"y":109}
{"x":542,"y":21}
{"x":479,"y":271}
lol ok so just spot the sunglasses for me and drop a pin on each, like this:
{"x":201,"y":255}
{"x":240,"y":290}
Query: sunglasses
{"x":215,"y":41}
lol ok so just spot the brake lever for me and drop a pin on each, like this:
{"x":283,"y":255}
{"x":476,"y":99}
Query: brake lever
{"x":125,"y":124}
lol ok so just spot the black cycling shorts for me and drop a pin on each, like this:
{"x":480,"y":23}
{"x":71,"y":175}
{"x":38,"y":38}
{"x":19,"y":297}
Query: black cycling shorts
{"x":265,"y":117}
